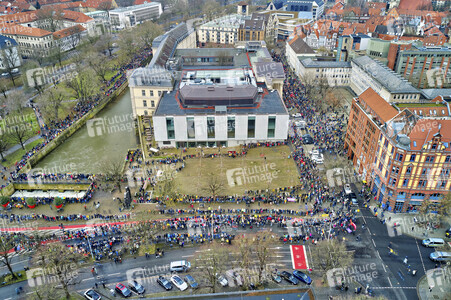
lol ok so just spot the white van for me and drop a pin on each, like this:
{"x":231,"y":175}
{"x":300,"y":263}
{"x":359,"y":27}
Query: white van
{"x":433,"y":242}
{"x":179,"y":266}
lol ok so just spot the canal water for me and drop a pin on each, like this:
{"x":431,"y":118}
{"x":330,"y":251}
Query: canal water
{"x":105,"y":138}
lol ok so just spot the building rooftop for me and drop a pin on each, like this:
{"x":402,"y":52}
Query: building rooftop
{"x":433,"y":93}
{"x":299,"y":46}
{"x":150,"y":76}
{"x":268,"y":102}
{"x":229,"y":21}
{"x":310,"y":63}
{"x":391,"y":81}
{"x":378,"y":105}
{"x":425,"y":129}
{"x":272,"y":70}
{"x":239,"y":55}
{"x":134,"y":7}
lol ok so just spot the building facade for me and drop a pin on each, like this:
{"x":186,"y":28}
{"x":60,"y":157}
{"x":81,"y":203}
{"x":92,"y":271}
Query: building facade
{"x":131,"y":16}
{"x":337,"y":73}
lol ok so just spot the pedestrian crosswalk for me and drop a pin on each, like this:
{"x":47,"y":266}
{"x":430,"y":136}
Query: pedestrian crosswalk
{"x":22,"y":252}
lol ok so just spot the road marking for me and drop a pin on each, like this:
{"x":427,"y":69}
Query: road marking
{"x":383,"y":266}
{"x":391,"y":285}
{"x":421,"y":257}
{"x":188,"y":255}
{"x":86,"y":279}
{"x":114,"y":274}
{"x":377,"y":252}
{"x":374,"y":243}
{"x":368,"y":230}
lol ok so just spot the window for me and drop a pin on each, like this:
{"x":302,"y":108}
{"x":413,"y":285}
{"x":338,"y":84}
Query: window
{"x":211,"y":127}
{"x":152,"y":103}
{"x":170,"y":128}
{"x":425,"y":171}
{"x":159,"y":93}
{"x":414,"y":143}
{"x":250,"y":127}
{"x":405,"y":182}
{"x":448,"y":158}
{"x":392,"y":181}
{"x":231,"y":127}
{"x":145,"y":103}
{"x":434,"y":146}
{"x":143,"y":92}
{"x":429,"y":159}
{"x":271,"y":127}
{"x":422,"y":183}
{"x":190,"y":127}
{"x":409,"y":170}
{"x":412,"y":157}
{"x":151,"y":93}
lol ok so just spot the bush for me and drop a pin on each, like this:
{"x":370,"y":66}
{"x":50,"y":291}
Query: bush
{"x":58,"y":201}
{"x":31,"y":201}
{"x":4,"y":200}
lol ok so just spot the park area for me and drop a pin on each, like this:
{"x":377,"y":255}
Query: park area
{"x":261,"y":169}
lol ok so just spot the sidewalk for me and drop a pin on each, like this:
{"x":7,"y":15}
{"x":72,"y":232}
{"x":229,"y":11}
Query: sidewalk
{"x":18,"y":146}
{"x":434,"y":285}
{"x":410,"y":224}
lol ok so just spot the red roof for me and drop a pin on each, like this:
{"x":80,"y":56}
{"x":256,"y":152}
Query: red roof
{"x":425,"y":129}
{"x":76,"y":16}
{"x":415,"y":4}
{"x":378,"y":105}
{"x":26,"y":31}
{"x":68,"y":31}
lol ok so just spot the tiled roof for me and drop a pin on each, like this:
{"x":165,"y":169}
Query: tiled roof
{"x":26,"y":31}
{"x":68,"y":31}
{"x":76,"y":16}
{"x":425,"y":129}
{"x":378,"y":105}
{"x":414,"y":4}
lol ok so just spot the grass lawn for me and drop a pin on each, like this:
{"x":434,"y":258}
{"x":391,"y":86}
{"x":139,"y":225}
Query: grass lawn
{"x":26,"y":121}
{"x":8,"y":277}
{"x":280,"y":169}
{"x":11,"y":159}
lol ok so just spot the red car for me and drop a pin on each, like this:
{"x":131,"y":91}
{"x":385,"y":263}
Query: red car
{"x":123,"y":290}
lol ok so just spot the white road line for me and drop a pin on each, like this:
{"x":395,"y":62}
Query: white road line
{"x":383,"y":266}
{"x":86,"y":279}
{"x":310,"y":251}
{"x":368,"y":230}
{"x":421,"y":257}
{"x":391,"y":285}
{"x":374,"y":243}
{"x":292,"y":258}
{"x":306,"y":258}
{"x":188,"y":255}
{"x":377,"y":252}
{"x":114,"y":274}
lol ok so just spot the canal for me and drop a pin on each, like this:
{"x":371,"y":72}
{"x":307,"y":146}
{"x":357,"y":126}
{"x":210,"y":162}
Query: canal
{"x":102,"y":139}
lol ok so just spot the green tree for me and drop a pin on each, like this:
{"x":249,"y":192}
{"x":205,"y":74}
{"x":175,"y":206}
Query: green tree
{"x":147,"y":32}
{"x":51,"y":101}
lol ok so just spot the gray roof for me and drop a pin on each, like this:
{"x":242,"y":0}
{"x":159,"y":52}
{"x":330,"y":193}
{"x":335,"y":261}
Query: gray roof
{"x":217,"y":92}
{"x":310,"y":63}
{"x":391,"y":81}
{"x":432,"y":93}
{"x":150,"y":76}
{"x":301,"y":47}
{"x":270,"y":69}
{"x":167,"y":44}
{"x":271,"y":103}
{"x":252,"y":25}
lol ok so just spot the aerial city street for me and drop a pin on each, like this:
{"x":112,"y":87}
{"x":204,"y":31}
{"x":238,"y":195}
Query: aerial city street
{"x":214,"y":149}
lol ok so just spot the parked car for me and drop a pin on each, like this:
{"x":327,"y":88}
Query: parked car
{"x":302,"y":277}
{"x":307,"y":139}
{"x":136,"y":287}
{"x":276,"y":277}
{"x":92,"y":295}
{"x":347,"y":188}
{"x":180,"y":266}
{"x":433,"y":242}
{"x":353,"y":198}
{"x":164,"y":283}
{"x":235,"y":276}
{"x":191,"y":282}
{"x":319,"y":159}
{"x":440,"y":256}
{"x":123,"y":290}
{"x":223,"y":281}
{"x":289,"y":277}
{"x":314,"y":152}
{"x":179,"y":283}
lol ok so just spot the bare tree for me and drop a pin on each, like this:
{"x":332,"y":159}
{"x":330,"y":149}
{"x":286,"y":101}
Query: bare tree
{"x":105,"y":43}
{"x":330,"y":254}
{"x":60,"y":263}
{"x":113,"y":170}
{"x":97,"y":62}
{"x":85,"y":85}
{"x":444,"y":207}
{"x":4,"y":145}
{"x":262,"y":244}
{"x":211,"y":262}
{"x":147,"y":32}
{"x":332,"y":100}
{"x":50,"y":102}
{"x":214,"y":185}
{"x":7,"y":242}
{"x":50,"y":17}
{"x":19,"y":134}
{"x":210,"y":8}
{"x":46,"y":292}
{"x":11,"y":61}
{"x":16,"y":101}
{"x":4,"y":86}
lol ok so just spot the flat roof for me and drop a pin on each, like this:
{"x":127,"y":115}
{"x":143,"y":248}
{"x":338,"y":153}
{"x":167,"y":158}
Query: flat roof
{"x":310,"y":63}
{"x":391,"y":81}
{"x":239,"y":55}
{"x":135,"y":7}
{"x":268,"y":102}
